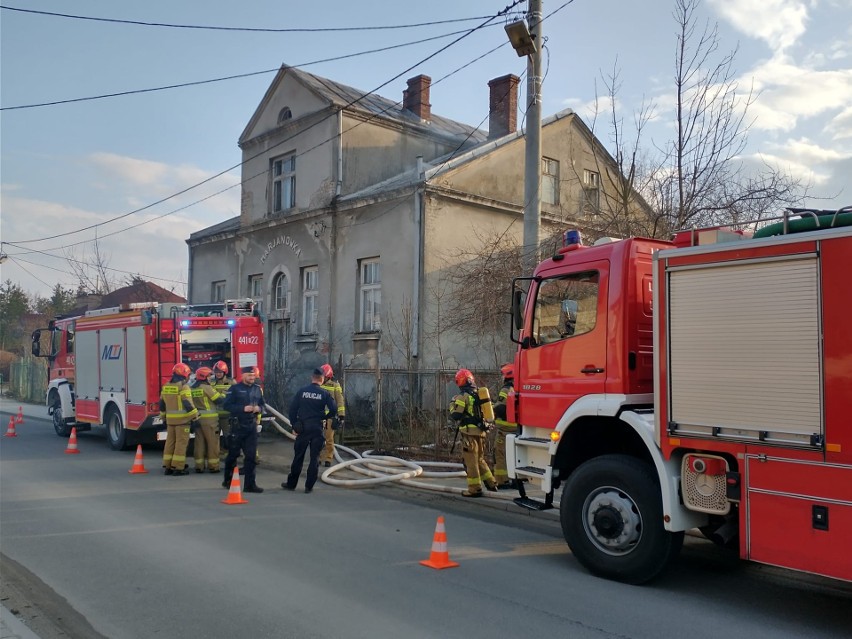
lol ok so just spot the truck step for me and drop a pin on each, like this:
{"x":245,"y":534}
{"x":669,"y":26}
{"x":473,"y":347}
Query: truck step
{"x":530,"y":471}
{"x":534,"y":442}
{"x":532,"y":504}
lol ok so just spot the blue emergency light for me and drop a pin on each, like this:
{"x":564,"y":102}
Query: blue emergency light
{"x":571,"y":237}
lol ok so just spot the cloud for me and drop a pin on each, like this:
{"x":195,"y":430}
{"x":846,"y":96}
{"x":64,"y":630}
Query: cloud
{"x":840,"y":127}
{"x":779,"y":23}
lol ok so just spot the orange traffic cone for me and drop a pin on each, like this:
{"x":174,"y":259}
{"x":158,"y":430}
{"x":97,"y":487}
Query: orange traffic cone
{"x":235,"y":495}
{"x":439,"y":558}
{"x":138,"y":466}
{"x":72,"y":443}
{"x":20,"y":419}
{"x":10,"y":432}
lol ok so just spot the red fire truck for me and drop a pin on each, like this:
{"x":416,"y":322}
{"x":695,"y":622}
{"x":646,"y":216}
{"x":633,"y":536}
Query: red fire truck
{"x":108,"y":366}
{"x":704,"y":383}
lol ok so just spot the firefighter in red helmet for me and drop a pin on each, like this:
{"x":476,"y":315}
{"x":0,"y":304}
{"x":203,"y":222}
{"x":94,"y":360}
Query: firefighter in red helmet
{"x":206,"y":399}
{"x":465,"y":410}
{"x":503,"y":428}
{"x":333,"y":387}
{"x":178,"y":412}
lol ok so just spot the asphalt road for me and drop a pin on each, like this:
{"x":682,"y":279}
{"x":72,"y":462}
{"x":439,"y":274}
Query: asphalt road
{"x":89,"y":550}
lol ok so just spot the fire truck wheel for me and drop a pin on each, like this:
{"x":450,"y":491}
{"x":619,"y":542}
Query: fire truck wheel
{"x":119,"y":438}
{"x":612,"y":519}
{"x":59,"y":424}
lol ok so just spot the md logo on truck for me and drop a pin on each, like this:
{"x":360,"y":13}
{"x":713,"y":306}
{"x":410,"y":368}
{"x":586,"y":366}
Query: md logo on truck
{"x":111,"y":351}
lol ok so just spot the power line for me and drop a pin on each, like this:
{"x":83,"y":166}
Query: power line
{"x":28,"y":272}
{"x":245,"y":29}
{"x":222,"y":79}
{"x":267,"y":149}
{"x":17,"y":258}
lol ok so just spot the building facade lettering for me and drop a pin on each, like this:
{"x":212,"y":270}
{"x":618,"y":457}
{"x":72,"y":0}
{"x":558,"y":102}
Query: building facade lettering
{"x":281,"y":240}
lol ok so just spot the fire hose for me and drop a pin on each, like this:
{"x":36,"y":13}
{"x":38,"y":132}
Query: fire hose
{"x":382,"y":469}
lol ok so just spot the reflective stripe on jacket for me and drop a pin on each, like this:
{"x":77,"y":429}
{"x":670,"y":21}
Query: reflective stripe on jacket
{"x":173,"y":396}
{"x":335,"y":390}
{"x":463,"y":411}
{"x":204,"y":396}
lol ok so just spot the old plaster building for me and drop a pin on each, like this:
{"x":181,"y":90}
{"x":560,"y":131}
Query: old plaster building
{"x":354,"y":206}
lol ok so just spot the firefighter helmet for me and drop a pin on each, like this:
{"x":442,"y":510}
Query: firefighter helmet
{"x":464,"y":376}
{"x":508,"y":371}
{"x":221,"y":366}
{"x":203,"y":373}
{"x":182,"y":370}
{"x":327,"y":371}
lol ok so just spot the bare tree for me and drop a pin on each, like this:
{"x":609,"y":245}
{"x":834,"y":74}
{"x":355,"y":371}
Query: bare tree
{"x":706,"y":181}
{"x":91,"y":271}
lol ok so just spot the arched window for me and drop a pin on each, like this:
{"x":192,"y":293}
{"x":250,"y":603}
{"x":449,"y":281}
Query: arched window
{"x":284,"y":115}
{"x":282,"y":292}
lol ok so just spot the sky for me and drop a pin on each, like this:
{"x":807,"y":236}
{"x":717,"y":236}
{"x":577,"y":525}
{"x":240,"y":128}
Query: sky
{"x":68,"y":169}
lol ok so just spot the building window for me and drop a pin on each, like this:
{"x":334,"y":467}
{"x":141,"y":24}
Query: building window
{"x":284,"y":115}
{"x":591,"y":191}
{"x":310,"y":289}
{"x":549,"y":181}
{"x":283,"y":183}
{"x":371,"y":295}
{"x":217,"y":292}
{"x":256,"y":286}
{"x":281,"y":292}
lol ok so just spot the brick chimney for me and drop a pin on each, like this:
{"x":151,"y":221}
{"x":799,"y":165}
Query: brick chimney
{"x":503,"y":106}
{"x":416,"y":97}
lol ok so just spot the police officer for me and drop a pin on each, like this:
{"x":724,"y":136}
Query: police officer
{"x":307,"y":413}
{"x":466,"y":413}
{"x":178,"y":412}
{"x":221,"y":382}
{"x":333,"y":387}
{"x":244,"y":402}
{"x":206,"y":399}
{"x":503,"y":428}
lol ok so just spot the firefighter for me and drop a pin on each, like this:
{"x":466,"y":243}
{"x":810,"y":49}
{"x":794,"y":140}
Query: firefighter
{"x":178,"y":412}
{"x":206,"y":398}
{"x":221,"y":382}
{"x":308,"y":410}
{"x":333,"y":387}
{"x":465,"y":411}
{"x":503,"y":428}
{"x":244,"y":402}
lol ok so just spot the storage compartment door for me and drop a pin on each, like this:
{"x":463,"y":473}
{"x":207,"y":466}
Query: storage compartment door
{"x":744,"y":351}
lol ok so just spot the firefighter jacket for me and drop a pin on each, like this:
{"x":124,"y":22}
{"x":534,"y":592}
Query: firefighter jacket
{"x":176,"y":407}
{"x":222,"y":386}
{"x":465,"y":411}
{"x":334,"y":389}
{"x":500,"y":408}
{"x":206,"y":398}
{"x":239,"y":396}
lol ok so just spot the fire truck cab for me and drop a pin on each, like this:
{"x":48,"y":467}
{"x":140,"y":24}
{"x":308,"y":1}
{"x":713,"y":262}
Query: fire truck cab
{"x":108,"y":366}
{"x":701,"y":383}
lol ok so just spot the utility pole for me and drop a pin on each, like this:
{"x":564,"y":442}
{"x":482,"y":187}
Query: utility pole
{"x":532,"y":159}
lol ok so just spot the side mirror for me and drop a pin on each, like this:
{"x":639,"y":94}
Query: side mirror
{"x":36,"y":345}
{"x":517,"y":316}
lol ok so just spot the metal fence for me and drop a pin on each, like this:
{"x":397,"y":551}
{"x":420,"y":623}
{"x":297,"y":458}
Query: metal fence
{"x":28,"y":380}
{"x":406,"y":412}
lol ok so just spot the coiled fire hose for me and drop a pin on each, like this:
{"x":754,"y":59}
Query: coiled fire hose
{"x":381,"y":469}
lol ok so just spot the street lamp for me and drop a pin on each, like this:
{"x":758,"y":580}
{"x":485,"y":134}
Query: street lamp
{"x":524,"y":41}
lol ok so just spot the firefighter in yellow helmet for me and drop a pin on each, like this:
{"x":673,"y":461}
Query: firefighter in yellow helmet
{"x":221,"y":383}
{"x":333,"y":387}
{"x":178,"y":412}
{"x":503,"y":428}
{"x":466,"y":411}
{"x":206,"y":399}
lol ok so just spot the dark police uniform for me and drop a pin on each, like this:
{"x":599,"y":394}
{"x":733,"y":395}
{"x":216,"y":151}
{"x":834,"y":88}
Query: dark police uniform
{"x":244,"y":433}
{"x":307,"y":412}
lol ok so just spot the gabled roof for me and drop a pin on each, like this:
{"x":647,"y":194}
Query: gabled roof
{"x":139,"y":291}
{"x":231,"y":224}
{"x":372,"y":104}
{"x":448,"y":162}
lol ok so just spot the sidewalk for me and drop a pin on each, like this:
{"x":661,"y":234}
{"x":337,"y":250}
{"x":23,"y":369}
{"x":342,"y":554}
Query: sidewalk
{"x":13,"y":628}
